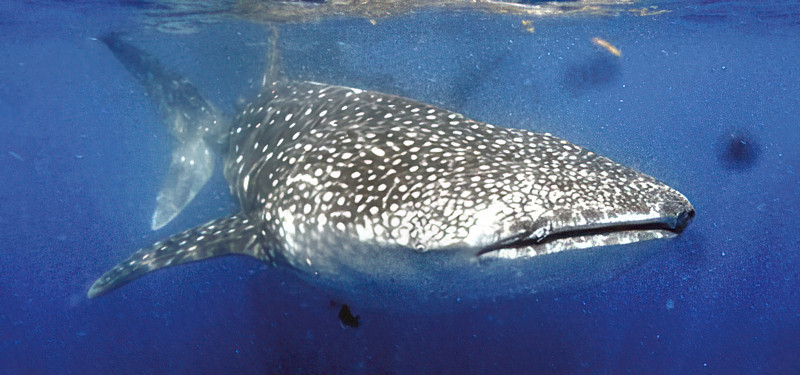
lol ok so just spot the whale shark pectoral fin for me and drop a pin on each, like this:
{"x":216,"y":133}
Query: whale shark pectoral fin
{"x":231,"y":235}
{"x":191,"y":167}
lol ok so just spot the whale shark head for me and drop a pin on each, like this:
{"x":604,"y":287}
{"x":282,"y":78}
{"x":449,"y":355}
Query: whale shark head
{"x":335,"y":167}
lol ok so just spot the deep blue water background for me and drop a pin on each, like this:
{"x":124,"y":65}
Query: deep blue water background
{"x":82,"y":154}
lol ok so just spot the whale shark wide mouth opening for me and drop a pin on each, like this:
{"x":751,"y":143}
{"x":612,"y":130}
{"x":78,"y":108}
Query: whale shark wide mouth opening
{"x":581,"y":237}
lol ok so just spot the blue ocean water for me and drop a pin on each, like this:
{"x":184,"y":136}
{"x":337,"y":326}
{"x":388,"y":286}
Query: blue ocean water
{"x":705,"y":97}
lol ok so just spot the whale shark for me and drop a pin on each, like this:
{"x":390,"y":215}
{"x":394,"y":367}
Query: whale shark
{"x":334,"y":180}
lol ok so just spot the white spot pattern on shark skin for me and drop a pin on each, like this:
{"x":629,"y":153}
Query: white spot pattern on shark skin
{"x":409,"y":173}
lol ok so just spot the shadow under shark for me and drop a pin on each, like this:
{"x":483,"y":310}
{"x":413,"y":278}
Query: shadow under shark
{"x":384,"y":198}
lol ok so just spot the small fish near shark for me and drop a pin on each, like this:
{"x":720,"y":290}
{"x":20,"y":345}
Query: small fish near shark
{"x":367,"y":190}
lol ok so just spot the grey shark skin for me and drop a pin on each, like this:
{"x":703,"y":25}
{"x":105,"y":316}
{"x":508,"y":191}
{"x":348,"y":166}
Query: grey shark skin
{"x":337,"y":181}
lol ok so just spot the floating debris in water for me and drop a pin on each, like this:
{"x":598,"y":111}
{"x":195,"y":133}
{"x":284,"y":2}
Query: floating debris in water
{"x":16,"y":156}
{"x":528,"y":26}
{"x":607,"y":46}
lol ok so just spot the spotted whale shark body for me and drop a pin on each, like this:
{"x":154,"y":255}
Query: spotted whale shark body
{"x":336,"y":181}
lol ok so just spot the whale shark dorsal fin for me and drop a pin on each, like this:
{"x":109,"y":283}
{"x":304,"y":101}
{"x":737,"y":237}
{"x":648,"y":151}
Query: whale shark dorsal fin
{"x":230,"y":235}
{"x":274,"y":71}
{"x":196,"y":126}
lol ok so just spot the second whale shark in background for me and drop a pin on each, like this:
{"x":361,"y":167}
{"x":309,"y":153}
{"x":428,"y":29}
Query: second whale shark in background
{"x":364,"y":190}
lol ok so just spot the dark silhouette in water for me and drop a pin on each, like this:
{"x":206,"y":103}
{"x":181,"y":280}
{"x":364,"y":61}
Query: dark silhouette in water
{"x":592,"y":74}
{"x":738,"y":150}
{"x":347,"y":318}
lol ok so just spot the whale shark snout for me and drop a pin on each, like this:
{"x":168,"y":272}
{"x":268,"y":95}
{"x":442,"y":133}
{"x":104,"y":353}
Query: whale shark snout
{"x":623,"y":207}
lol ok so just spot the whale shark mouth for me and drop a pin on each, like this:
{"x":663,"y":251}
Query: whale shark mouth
{"x":586,"y":236}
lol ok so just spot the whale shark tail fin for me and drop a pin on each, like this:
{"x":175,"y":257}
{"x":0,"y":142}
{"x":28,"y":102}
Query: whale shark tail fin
{"x":198,"y":128}
{"x":230,"y":235}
